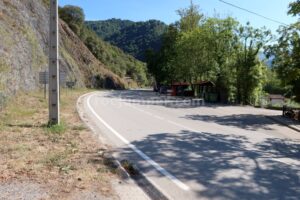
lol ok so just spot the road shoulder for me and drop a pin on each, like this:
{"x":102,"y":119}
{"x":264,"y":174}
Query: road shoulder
{"x":125,"y":187}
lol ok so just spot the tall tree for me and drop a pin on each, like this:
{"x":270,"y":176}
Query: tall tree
{"x":287,"y":52}
{"x":161,"y":64}
{"x":248,"y":67}
{"x":190,"y":17}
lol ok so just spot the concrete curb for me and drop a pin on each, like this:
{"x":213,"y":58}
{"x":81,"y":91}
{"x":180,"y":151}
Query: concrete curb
{"x":139,"y":179}
{"x":283,"y":123}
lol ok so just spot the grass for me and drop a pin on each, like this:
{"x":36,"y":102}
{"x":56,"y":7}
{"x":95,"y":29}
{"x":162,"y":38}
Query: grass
{"x":56,"y":155}
{"x":56,"y":129}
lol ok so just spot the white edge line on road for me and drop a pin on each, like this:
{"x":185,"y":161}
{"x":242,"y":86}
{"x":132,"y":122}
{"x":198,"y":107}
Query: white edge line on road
{"x":291,"y":163}
{"x":139,"y":152}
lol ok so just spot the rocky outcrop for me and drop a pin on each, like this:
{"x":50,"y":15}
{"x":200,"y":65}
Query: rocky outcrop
{"x":24,"y":27}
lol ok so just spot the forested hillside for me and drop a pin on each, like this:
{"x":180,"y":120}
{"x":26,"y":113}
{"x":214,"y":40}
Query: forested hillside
{"x":132,"y":37}
{"x":119,"y":62}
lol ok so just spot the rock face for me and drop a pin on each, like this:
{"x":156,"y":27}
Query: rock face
{"x":24,"y":30}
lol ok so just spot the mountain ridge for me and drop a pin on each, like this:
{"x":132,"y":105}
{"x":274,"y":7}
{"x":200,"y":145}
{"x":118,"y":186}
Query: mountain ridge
{"x":132,"y":37}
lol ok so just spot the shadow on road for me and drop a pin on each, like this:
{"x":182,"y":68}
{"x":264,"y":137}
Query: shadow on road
{"x":250,"y":122}
{"x":227,"y":167}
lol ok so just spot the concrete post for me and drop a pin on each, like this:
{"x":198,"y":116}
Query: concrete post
{"x":54,"y":65}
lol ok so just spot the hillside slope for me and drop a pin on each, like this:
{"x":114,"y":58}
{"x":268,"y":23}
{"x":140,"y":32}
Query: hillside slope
{"x":117,"y":60}
{"x":132,"y":37}
{"x":24,"y":34}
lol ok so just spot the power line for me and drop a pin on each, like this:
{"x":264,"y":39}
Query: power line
{"x":254,"y":13}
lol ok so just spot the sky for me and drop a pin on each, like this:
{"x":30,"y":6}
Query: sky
{"x":165,"y":10}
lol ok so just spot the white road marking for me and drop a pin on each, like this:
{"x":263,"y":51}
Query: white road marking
{"x":146,"y":112}
{"x":139,"y":152}
{"x":162,"y":118}
{"x":287,"y":161}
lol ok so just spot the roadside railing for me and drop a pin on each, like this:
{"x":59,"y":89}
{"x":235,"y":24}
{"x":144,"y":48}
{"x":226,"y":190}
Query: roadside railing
{"x":292,"y":113}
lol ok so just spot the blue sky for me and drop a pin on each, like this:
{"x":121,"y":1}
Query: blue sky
{"x":165,"y":10}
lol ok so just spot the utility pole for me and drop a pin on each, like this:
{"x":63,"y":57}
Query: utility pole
{"x":54,"y":65}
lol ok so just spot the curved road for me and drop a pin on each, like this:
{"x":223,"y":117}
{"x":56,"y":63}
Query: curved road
{"x":194,"y":151}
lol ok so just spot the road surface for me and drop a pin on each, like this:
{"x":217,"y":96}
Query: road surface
{"x":193,"y":151}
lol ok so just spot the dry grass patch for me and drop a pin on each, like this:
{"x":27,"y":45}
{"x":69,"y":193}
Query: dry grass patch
{"x":64,"y":158}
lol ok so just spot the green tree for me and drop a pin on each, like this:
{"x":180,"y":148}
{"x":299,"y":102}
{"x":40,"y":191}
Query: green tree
{"x":190,"y":17}
{"x":294,"y":8}
{"x":287,"y":57}
{"x":198,"y":48}
{"x":249,"y":70}
{"x":73,"y":16}
{"x":286,"y":53}
{"x":162,"y":64}
{"x":223,"y":44}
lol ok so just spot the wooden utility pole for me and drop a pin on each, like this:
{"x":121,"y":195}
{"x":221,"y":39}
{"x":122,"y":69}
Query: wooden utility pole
{"x":54,"y":65}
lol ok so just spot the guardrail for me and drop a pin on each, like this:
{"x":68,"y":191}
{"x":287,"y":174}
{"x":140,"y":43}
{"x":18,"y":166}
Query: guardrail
{"x":292,"y":113}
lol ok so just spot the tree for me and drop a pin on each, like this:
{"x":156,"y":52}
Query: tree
{"x":294,"y":8}
{"x":161,"y":64}
{"x":287,"y":53}
{"x":287,"y":57}
{"x":249,"y":70}
{"x":223,"y":44}
{"x":190,"y":18}
{"x":73,"y":16}
{"x":199,"y":48}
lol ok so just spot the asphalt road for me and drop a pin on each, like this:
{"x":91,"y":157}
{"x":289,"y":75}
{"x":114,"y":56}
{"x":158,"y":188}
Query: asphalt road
{"x":193,"y":151}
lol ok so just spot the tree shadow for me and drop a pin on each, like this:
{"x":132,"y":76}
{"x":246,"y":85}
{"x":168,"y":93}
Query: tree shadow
{"x":224,"y":165}
{"x":281,"y":148}
{"x":250,"y":122}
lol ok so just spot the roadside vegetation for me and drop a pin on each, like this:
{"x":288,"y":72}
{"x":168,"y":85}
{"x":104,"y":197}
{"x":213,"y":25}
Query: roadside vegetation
{"x":64,"y":158}
{"x":221,"y":50}
{"x":120,"y":63}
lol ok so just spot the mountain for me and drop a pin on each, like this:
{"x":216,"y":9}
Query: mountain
{"x":132,"y":37}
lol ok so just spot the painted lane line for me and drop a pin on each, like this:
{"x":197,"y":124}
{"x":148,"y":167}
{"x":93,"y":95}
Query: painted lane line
{"x":162,"y":118}
{"x":145,"y":112}
{"x":287,"y":161}
{"x":139,"y":152}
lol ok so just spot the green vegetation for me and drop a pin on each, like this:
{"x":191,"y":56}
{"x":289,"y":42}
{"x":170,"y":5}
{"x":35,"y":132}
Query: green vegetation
{"x":287,"y":54}
{"x":132,"y":37}
{"x":119,"y":62}
{"x":221,"y":50}
{"x":228,"y":53}
{"x":56,"y":129}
